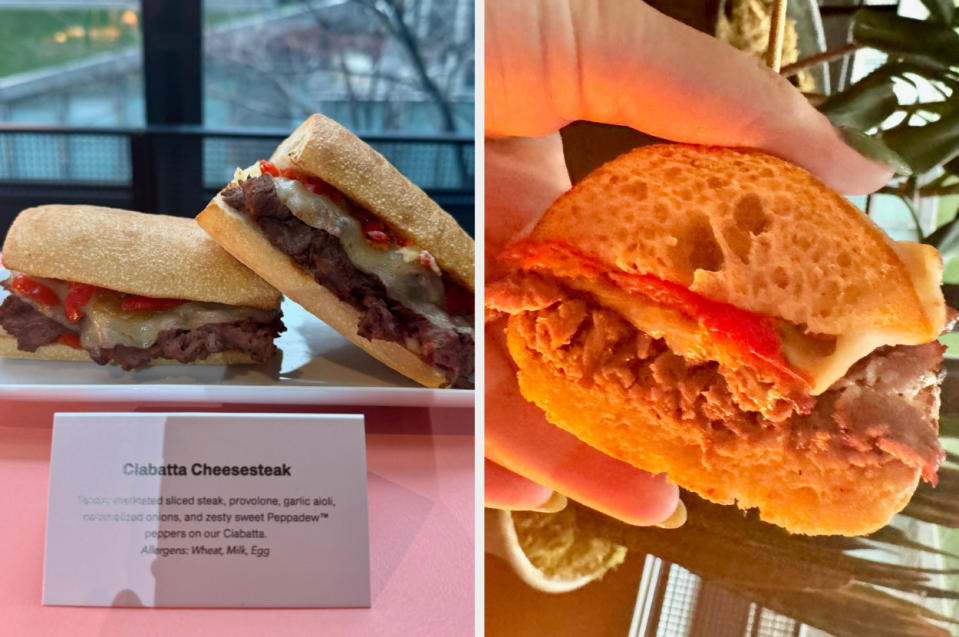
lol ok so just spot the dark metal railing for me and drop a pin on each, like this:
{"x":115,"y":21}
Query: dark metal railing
{"x":209,"y":131}
{"x":176,"y":168}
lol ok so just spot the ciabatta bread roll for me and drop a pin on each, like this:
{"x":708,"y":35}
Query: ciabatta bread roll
{"x":335,"y":227}
{"x":109,"y":285}
{"x":720,"y":316}
{"x":134,"y":252}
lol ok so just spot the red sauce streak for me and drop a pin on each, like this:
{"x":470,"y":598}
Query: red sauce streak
{"x":752,"y":336}
{"x":147,"y":304}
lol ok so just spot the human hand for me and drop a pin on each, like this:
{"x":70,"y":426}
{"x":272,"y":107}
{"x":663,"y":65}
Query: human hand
{"x":551,"y":62}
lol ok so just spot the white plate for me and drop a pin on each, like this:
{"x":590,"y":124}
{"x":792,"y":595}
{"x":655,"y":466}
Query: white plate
{"x":315,"y":366}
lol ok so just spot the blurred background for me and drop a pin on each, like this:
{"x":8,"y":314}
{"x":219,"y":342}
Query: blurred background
{"x":151,"y":105}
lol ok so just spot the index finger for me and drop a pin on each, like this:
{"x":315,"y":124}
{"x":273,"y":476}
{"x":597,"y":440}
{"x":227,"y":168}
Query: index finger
{"x":519,"y":437}
{"x":550,"y":62}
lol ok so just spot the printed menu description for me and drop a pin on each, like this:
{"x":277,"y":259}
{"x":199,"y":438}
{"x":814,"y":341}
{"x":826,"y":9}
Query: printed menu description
{"x":206,"y":525}
{"x":207,"y":510}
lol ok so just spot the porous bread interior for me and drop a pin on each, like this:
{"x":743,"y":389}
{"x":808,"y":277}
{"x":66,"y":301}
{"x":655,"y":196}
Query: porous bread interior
{"x":245,"y":242}
{"x":133,"y":252}
{"x":326,"y":149}
{"x":57,"y":352}
{"x":811,"y":494}
{"x":749,"y":229}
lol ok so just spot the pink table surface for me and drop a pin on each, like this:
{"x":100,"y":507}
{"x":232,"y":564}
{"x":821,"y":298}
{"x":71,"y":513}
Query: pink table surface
{"x":420,"y":477}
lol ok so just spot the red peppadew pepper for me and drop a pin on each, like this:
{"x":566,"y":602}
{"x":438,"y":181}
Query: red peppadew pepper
{"x":147,"y":304}
{"x":70,"y":340}
{"x":428,"y":262}
{"x":35,"y":290}
{"x":751,"y":335}
{"x":78,"y":296}
{"x":269,"y":168}
{"x":373,"y":229}
{"x":376,"y":233}
{"x":312,"y":184}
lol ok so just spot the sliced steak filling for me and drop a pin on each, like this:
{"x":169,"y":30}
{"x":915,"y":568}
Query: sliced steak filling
{"x":29,"y":326}
{"x":186,"y":346}
{"x":322,"y":255}
{"x":885,"y":407}
{"x":33,"y":329}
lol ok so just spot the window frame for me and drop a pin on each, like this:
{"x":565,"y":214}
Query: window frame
{"x":166,"y":154}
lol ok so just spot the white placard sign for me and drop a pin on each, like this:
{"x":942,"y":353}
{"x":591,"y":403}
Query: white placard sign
{"x":207,"y":510}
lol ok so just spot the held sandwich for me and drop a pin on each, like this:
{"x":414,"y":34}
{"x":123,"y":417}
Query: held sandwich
{"x":336,"y":228}
{"x":722,"y":317}
{"x":129,"y":288}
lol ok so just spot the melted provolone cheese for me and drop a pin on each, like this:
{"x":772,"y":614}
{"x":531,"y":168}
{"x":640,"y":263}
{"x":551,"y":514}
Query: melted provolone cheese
{"x":406,"y":280}
{"x":241,"y":174}
{"x":821,"y":359}
{"x":924,"y":264}
{"x":826,"y":367}
{"x":823,"y":369}
{"x":106,"y":325}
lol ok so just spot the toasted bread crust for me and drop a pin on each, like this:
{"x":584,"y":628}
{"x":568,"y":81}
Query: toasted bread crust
{"x":57,"y":352}
{"x":145,"y":254}
{"x":324,"y":148}
{"x":810,"y":493}
{"x":245,"y":242}
{"x":752,"y":230}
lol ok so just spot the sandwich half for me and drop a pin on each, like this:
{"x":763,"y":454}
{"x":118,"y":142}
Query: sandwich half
{"x":336,"y":228}
{"x":720,"y":316}
{"x":114,"y":286}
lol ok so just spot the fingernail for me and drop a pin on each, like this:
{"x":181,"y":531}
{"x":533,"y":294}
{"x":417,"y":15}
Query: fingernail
{"x":677,"y":519}
{"x":556,"y":502}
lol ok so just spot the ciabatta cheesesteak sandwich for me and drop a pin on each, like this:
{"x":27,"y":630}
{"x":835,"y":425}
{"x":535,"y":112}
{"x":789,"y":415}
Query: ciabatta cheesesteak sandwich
{"x":720,"y":316}
{"x":336,"y":228}
{"x":129,"y":288}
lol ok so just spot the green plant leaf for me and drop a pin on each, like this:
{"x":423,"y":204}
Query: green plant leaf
{"x":852,"y":612}
{"x":952,"y":166}
{"x":949,"y":427}
{"x":942,"y":107}
{"x":945,"y":239}
{"x":865,"y":104}
{"x":891,"y":536}
{"x":907,"y":37}
{"x":874,"y":148}
{"x":812,"y":579}
{"x":938,"y":504}
{"x":912,"y":212}
{"x":930,"y":72}
{"x":941,"y":11}
{"x":872,"y":99}
{"x":925,"y":147}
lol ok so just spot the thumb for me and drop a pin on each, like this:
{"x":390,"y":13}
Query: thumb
{"x":550,"y":62}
